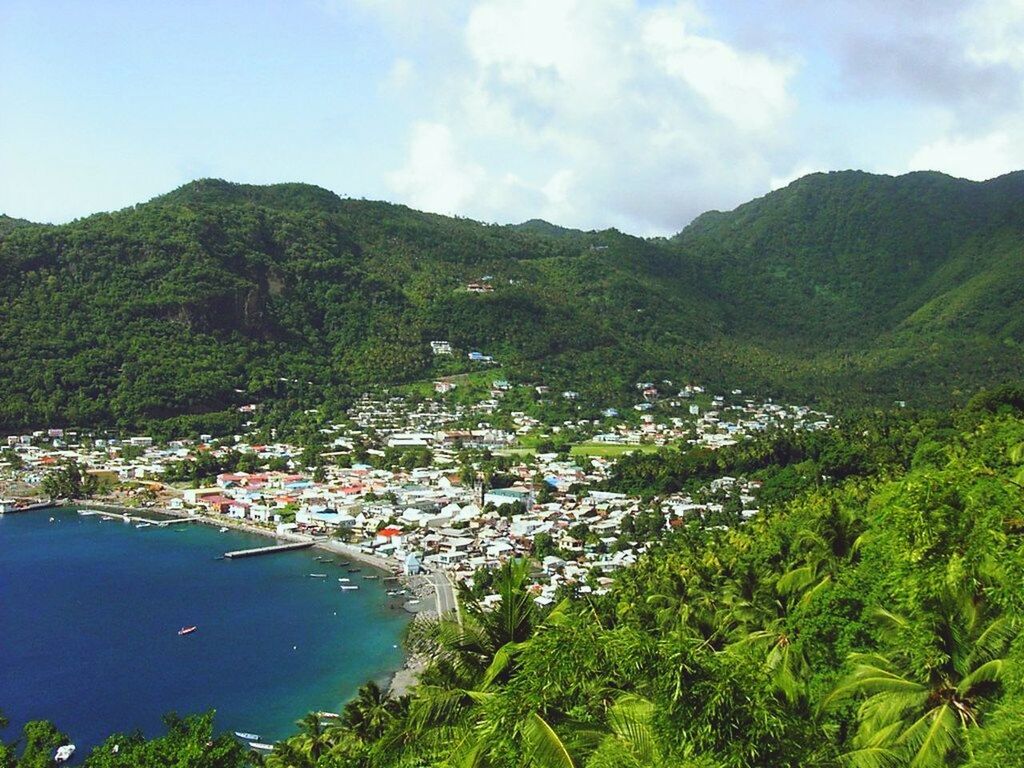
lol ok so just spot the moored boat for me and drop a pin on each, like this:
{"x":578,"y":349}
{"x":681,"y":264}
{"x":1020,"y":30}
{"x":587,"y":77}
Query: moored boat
{"x":260,"y":746}
{"x":318,"y":575}
{"x":348,"y":587}
{"x":64,"y":753}
{"x":247,"y":736}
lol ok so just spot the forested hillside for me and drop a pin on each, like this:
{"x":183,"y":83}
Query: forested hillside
{"x":841,"y":288}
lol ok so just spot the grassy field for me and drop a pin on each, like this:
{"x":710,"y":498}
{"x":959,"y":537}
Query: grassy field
{"x":608,"y":449}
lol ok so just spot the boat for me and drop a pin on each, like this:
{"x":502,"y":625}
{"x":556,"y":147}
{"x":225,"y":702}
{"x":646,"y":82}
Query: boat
{"x":247,"y":736}
{"x":223,"y":529}
{"x":343,"y":579}
{"x":329,"y":715}
{"x":318,"y":575}
{"x":64,"y":753}
{"x":52,"y":519}
{"x":370,"y":578}
{"x":258,"y":745}
{"x":143,"y":525}
{"x":187,"y":630}
{"x":354,"y":570}
{"x":347,"y":587}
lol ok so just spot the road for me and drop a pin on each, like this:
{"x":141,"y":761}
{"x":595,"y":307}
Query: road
{"x":446,"y":602}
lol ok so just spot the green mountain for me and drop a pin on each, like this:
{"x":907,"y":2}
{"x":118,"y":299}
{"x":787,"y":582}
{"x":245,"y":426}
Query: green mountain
{"x":842,"y":287}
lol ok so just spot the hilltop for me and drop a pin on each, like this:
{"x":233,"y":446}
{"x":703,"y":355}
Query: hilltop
{"x":842,"y":288}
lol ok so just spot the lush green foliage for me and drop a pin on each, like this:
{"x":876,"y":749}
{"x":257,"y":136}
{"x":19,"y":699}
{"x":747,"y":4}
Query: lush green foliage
{"x":169,"y":315}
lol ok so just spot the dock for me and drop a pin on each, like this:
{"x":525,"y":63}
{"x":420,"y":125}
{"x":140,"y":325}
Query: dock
{"x":268,"y":550}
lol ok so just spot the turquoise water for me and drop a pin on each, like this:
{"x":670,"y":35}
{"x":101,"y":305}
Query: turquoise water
{"x":90,"y":610}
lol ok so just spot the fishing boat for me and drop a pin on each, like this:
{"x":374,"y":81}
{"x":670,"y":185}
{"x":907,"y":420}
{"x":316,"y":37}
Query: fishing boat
{"x":354,"y":570}
{"x":348,"y":587}
{"x":247,"y":736}
{"x":318,"y":575}
{"x":343,"y":579}
{"x":329,"y":715}
{"x":223,"y":529}
{"x":370,"y":578}
{"x":187,"y":630}
{"x":263,"y":747}
{"x":143,"y":525}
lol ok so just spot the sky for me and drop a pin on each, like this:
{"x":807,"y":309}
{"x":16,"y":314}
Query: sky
{"x":635,"y":114}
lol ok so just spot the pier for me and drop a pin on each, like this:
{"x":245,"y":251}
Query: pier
{"x":268,"y":550}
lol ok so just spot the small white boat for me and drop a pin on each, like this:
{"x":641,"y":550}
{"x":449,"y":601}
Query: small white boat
{"x":344,"y":580}
{"x":260,"y":746}
{"x":143,"y":525}
{"x":64,"y":753}
{"x":329,"y":715}
{"x":52,"y":519}
{"x":223,"y":529}
{"x":318,"y":575}
{"x":348,"y":587}
{"x":247,"y":736}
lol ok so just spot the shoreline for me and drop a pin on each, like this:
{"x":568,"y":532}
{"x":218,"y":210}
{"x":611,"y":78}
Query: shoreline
{"x":402,"y":679}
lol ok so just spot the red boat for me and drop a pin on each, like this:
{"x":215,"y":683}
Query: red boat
{"x":187,"y":630}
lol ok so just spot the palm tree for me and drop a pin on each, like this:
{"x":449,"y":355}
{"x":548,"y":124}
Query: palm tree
{"x":304,"y":749}
{"x":824,"y":551}
{"x":450,"y":708}
{"x":923,"y":719}
{"x":369,"y":713}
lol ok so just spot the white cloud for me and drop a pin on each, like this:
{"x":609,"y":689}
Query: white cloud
{"x":996,"y":32}
{"x":972,"y":157}
{"x":434,"y":178}
{"x":750,"y":90}
{"x":597,"y":113}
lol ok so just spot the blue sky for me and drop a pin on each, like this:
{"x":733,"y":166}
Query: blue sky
{"x":590,"y":113}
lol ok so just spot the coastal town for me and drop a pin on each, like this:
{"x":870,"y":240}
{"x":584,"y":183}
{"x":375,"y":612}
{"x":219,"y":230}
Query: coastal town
{"x":430,"y":485}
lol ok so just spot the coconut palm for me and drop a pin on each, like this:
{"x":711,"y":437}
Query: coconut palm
{"x":304,"y":749}
{"x":369,"y":713}
{"x":925,"y":718}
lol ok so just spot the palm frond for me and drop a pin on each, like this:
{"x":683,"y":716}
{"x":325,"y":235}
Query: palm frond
{"x":544,"y":747}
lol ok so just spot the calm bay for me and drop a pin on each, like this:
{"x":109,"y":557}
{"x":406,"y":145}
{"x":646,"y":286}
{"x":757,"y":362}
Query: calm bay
{"x":90,"y":612}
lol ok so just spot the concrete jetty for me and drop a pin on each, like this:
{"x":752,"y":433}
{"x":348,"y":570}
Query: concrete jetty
{"x":268,"y":550}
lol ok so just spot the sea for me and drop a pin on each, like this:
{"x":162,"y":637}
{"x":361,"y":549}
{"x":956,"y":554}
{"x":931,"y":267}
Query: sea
{"x":90,"y":612}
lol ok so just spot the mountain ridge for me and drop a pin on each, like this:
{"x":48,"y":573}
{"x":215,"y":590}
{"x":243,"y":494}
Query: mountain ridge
{"x":844,"y":287}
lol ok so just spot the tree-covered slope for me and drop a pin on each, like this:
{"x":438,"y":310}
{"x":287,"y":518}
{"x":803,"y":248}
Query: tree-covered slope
{"x":172,"y":306}
{"x":841,"y":287}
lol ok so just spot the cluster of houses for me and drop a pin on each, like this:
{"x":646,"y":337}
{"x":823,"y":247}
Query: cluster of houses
{"x":440,"y":516}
